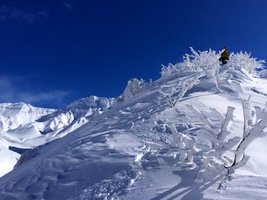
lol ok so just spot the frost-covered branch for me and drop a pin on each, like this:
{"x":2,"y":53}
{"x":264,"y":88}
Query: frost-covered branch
{"x":220,"y":143}
{"x":207,"y":62}
{"x":256,"y":130}
{"x":134,"y":87}
{"x":185,"y":86}
{"x":244,"y":61}
{"x":251,"y":131}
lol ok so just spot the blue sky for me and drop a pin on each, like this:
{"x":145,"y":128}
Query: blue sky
{"x":55,"y":52}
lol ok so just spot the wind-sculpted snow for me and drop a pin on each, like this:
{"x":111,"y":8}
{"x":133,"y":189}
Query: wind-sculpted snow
{"x":23,"y":126}
{"x":15,"y":128}
{"x":87,"y":106}
{"x":198,"y":132}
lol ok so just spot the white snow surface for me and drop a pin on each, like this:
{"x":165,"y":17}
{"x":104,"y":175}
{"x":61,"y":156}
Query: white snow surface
{"x":24,"y":127}
{"x":195,"y":133}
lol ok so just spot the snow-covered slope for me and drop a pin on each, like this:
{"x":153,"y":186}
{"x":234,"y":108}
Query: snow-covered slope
{"x":16,"y":127}
{"x":198,"y":132}
{"x":13,"y":115}
{"x":24,"y":127}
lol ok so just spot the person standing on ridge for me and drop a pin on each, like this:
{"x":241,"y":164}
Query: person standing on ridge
{"x":224,"y":56}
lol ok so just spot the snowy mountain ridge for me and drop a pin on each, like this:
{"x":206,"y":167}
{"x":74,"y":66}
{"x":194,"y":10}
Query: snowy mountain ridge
{"x":23,"y":126}
{"x":198,"y":132}
{"x":13,"y":115}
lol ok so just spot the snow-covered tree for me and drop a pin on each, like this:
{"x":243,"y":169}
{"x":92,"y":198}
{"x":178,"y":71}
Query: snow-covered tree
{"x":225,"y":153}
{"x":133,"y":88}
{"x":244,"y":61}
{"x":218,"y":149}
{"x":199,"y":65}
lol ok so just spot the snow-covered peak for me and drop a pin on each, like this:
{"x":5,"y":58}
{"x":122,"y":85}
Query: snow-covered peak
{"x":76,"y":113}
{"x":23,"y":126}
{"x":89,"y":105}
{"x":198,"y":132}
{"x":14,"y":115}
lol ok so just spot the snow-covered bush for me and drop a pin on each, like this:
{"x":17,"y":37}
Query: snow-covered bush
{"x":218,"y":147}
{"x":255,"y":124}
{"x":194,"y":67}
{"x":182,"y":87}
{"x":222,"y":153}
{"x":245,"y":61}
{"x":205,"y":64}
{"x":168,"y":70}
{"x":133,"y":88}
{"x":208,"y":62}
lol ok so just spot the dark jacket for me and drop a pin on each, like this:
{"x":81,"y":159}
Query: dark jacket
{"x":224,"y":55}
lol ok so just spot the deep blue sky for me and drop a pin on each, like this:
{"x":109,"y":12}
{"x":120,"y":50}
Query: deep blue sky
{"x":53,"y":52}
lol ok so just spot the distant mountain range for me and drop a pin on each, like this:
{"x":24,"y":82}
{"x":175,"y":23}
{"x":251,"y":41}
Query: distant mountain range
{"x":24,"y":127}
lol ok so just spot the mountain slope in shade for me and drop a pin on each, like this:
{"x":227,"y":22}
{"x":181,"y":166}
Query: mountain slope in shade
{"x":198,"y":132}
